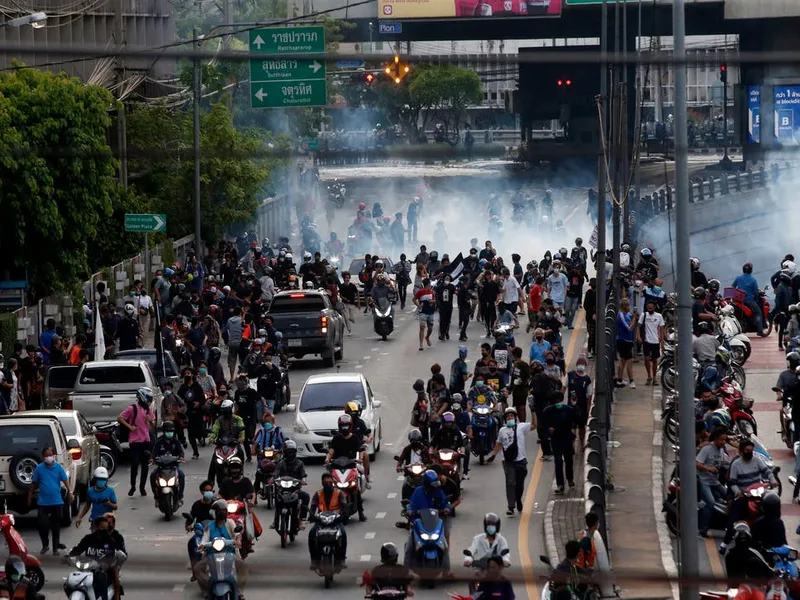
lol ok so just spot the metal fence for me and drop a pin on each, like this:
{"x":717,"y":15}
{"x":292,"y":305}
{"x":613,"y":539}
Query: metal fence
{"x":273,"y":218}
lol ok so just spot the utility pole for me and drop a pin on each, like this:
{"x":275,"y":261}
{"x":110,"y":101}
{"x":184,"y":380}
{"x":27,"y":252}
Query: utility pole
{"x":617,"y":146}
{"x":122,"y":126}
{"x":658,"y":92}
{"x":688,"y":469}
{"x":640,"y":86}
{"x":196,"y":91}
{"x":625,"y":132}
{"x":228,"y":10}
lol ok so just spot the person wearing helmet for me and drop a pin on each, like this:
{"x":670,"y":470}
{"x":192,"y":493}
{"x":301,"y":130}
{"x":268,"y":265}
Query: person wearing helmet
{"x":227,"y":427}
{"x":17,"y":584}
{"x":100,"y":546}
{"x":511,"y":441}
{"x":100,"y":497}
{"x":699,"y":311}
{"x":254,"y":359}
{"x":745,"y":470}
{"x":769,"y":530}
{"x":487,"y":544}
{"x":427,"y":496}
{"x":236,"y":486}
{"x":780,"y":310}
{"x":459,"y":371}
{"x":363,"y":433}
{"x":225,"y":528}
{"x":788,"y":380}
{"x":168,"y":444}
{"x":129,"y":333}
{"x":448,"y":436}
{"x":138,"y":419}
{"x":746,"y":283}
{"x":414,"y":453}
{"x":699,"y":278}
{"x":388,"y":575}
{"x":346,"y":444}
{"x":648,"y":264}
{"x":328,"y":499}
{"x":712,"y":460}
{"x":291,"y":466}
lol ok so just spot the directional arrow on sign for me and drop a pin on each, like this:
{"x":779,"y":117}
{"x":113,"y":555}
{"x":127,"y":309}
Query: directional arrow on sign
{"x":258,"y":42}
{"x":160,"y":223}
{"x":261,"y":95}
{"x":315,"y":66}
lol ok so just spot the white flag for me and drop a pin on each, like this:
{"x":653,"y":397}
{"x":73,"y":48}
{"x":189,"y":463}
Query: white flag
{"x":99,"y":338}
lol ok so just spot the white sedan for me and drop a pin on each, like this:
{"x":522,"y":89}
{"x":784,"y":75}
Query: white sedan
{"x":321,"y":403}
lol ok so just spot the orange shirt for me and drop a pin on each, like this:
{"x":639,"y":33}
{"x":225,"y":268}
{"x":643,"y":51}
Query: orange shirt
{"x":73,"y":354}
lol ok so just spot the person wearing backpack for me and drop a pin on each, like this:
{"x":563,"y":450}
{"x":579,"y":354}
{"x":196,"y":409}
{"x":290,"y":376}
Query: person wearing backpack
{"x":511,"y":440}
{"x":588,"y":553}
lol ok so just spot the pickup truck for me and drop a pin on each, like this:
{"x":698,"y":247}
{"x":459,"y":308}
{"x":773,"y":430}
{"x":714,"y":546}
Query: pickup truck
{"x":309,"y":324}
{"x":105,"y":388}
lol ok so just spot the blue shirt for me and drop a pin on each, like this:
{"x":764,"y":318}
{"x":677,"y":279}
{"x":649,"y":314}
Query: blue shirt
{"x":558,"y":287}
{"x":538,"y":351}
{"x":748,"y":284}
{"x":46,"y":341}
{"x":624,"y":329}
{"x":98,"y":499}
{"x":49,"y":480}
{"x":269,"y":438}
{"x":434,"y":498}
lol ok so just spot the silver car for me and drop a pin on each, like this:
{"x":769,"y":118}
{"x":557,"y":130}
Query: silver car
{"x":75,"y":428}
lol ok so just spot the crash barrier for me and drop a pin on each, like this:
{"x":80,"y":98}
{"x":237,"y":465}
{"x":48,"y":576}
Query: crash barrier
{"x":273,"y":218}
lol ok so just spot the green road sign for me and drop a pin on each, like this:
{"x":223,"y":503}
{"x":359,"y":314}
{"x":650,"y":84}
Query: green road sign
{"x":288,"y":94}
{"x":310,"y":145}
{"x":285,"y":69}
{"x":288,"y":40}
{"x":145,"y":223}
{"x":277,"y":82}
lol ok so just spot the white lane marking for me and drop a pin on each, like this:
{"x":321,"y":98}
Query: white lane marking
{"x":370,"y":535}
{"x":388,"y":444}
{"x":380,"y":515}
{"x":178,"y":588}
{"x":401,"y":477}
{"x":365,"y":558}
{"x":113,"y":485}
{"x":391,"y":495}
{"x":359,"y":366}
{"x":367,"y":357}
{"x":384,"y":354}
{"x":373,"y":349}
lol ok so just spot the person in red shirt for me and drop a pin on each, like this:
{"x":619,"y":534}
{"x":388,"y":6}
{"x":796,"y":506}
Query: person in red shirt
{"x":75,"y":351}
{"x":534,"y":303}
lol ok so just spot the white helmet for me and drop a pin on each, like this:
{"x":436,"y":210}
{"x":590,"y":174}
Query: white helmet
{"x":100,"y":473}
{"x":789,"y":266}
{"x":289,"y":257}
{"x":130,"y":310}
{"x":306,"y":256}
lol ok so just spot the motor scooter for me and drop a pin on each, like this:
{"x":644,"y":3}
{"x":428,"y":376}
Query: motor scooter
{"x":480,"y":566}
{"x":483,"y":431}
{"x":240,"y":513}
{"x":413,"y":478}
{"x":18,"y":547}
{"x":226,"y":449}
{"x":591,"y":592}
{"x":450,"y":461}
{"x":264,"y":484}
{"x":348,"y":478}
{"x":287,"y":504}
{"x":80,"y":582}
{"x":223,"y":583}
{"x":383,"y":317}
{"x":166,"y":484}
{"x":328,"y":539}
{"x":430,"y":545}
{"x":744,"y":313}
{"x":732,"y":335}
{"x":107,"y":435}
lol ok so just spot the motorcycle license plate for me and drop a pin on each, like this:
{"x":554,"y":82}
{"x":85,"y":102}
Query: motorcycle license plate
{"x":327,"y":531}
{"x":294,"y":343}
{"x":2,"y":485}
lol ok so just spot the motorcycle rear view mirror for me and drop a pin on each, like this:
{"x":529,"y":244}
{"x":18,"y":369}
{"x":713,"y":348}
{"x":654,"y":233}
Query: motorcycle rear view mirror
{"x":504,"y":552}
{"x":395,"y":457}
{"x":467,"y":552}
{"x":545,"y":560}
{"x":187,"y":516}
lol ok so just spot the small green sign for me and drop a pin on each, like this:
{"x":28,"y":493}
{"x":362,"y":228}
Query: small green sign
{"x":285,"y":69}
{"x":309,"y":92}
{"x":310,"y":145}
{"x":288,"y":40}
{"x":145,"y":223}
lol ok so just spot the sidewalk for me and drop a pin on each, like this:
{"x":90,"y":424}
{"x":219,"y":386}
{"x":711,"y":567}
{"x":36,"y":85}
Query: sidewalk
{"x":634,"y":538}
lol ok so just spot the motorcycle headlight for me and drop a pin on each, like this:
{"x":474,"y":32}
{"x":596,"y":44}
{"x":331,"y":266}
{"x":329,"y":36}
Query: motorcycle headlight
{"x":162,"y":482}
{"x":219,"y":544}
{"x":171,"y":481}
{"x":232,"y":508}
{"x":418,"y":469}
{"x":219,"y":461}
{"x":343,"y":484}
{"x":446,"y":455}
{"x":287,"y":484}
{"x":433,"y":536}
{"x":425,"y":536}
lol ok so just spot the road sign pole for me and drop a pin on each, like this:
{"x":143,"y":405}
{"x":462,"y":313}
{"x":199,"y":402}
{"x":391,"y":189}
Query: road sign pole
{"x":196,"y":143}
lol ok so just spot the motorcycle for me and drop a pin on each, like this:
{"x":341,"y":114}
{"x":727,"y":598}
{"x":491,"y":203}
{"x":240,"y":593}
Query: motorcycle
{"x":450,"y":461}
{"x":166,"y":484}
{"x":590,"y":593}
{"x":779,"y":567}
{"x":744,"y":314}
{"x":225,"y":450}
{"x":383,"y":317}
{"x":222,"y":583}
{"x":430,"y":545}
{"x":412,"y":480}
{"x":80,"y":582}
{"x":288,"y":503}
{"x":733,"y":337}
{"x":741,"y":408}
{"x":265,"y":486}
{"x":347,"y":477}
{"x":107,"y":435}
{"x":483,"y":431}
{"x":239,"y":512}
{"x":18,"y":547}
{"x":480,"y":567}
{"x":337,"y":194}
{"x":329,"y":538}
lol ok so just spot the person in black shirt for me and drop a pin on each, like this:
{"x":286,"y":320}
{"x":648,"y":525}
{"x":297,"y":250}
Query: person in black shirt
{"x":560,"y":420}
{"x":200,"y":513}
{"x":389,"y":575}
{"x":346,"y":444}
{"x":362,"y":432}
{"x":246,"y":400}
{"x":269,"y":382}
{"x":168,"y":337}
{"x":488,"y":297}
{"x":100,"y":546}
{"x":167,"y":443}
{"x":444,"y":300}
{"x":291,"y":466}
{"x":699,"y":278}
{"x":448,"y":436}
{"x":699,"y":310}
{"x":128,"y":330}
{"x":193,"y":396}
{"x":237,"y":486}
{"x":464,"y":298}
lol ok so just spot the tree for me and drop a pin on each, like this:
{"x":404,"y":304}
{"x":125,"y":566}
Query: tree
{"x":58,"y":181}
{"x":445,"y":91}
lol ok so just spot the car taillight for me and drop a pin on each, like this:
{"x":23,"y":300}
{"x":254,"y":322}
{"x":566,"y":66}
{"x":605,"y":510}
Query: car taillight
{"x":75,"y":453}
{"x":324,"y":323}
{"x":68,"y":404}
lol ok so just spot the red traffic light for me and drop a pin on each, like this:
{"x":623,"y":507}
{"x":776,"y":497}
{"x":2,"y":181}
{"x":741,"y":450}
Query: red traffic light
{"x":563,"y":82}
{"x":369,"y":78}
{"x":722,"y":67}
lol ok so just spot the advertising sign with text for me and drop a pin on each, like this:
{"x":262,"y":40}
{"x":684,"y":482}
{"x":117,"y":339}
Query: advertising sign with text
{"x":787,"y":115}
{"x":439,"y":9}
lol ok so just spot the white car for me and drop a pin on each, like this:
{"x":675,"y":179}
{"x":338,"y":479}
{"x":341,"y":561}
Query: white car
{"x":321,"y":403}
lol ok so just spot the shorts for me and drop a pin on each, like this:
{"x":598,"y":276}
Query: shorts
{"x":652,"y":351}
{"x":233,"y":354}
{"x":425,"y":320}
{"x":448,"y":524}
{"x":624,"y":349}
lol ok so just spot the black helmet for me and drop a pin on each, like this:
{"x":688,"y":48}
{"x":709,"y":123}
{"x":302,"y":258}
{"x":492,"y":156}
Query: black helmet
{"x":345,"y":424}
{"x":289,"y":450}
{"x":415,"y":436}
{"x":434,"y":255}
{"x":704,"y":327}
{"x":168,"y":426}
{"x":216,"y":354}
{"x":220,"y":507}
{"x":389,"y":554}
{"x":713,"y":286}
{"x":747,"y":268}
{"x":491,"y":519}
{"x":793,"y":358}
{"x":699,"y":292}
{"x":15,"y":568}
{"x":771,"y":504}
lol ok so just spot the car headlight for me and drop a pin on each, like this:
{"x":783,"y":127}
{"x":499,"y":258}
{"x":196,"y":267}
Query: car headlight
{"x":343,"y":484}
{"x":232,"y":508}
{"x":218,"y":544}
{"x":446,"y":455}
{"x":162,"y":482}
{"x":300,"y":427}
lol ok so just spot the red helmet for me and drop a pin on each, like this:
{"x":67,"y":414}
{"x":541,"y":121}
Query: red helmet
{"x":213,"y":309}
{"x":362,"y":206}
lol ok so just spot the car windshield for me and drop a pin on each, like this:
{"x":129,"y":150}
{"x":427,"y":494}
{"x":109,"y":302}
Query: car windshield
{"x":297,"y":303}
{"x":332,"y":395}
{"x":69,"y":425}
{"x":112,"y":375}
{"x":28,"y":437}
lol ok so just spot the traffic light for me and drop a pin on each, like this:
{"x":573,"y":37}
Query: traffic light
{"x":397,"y":70}
{"x":723,"y":73}
{"x":369,"y":78}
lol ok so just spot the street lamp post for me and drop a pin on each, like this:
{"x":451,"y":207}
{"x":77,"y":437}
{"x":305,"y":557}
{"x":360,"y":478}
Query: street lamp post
{"x":35,"y":20}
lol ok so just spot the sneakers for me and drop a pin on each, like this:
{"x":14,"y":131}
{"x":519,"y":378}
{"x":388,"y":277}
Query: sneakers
{"x":465,"y":476}
{"x":362,"y":517}
{"x":619,"y":383}
{"x":510,"y":511}
{"x":649,"y":382}
{"x":632,"y":384}
{"x":560,"y":491}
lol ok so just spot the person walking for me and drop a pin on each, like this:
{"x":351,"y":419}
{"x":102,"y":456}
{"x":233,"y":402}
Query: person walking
{"x":48,"y":479}
{"x":559,"y":419}
{"x":626,"y":324}
{"x":138,"y":418}
{"x":402,"y":271}
{"x":489,"y":295}
{"x":651,"y":334}
{"x":464,"y":297}
{"x":425,"y":301}
{"x":511,"y":440}
{"x":590,"y":306}
{"x":234,"y":327}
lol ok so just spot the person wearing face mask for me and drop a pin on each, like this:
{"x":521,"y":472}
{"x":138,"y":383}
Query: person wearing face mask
{"x":16,"y":584}
{"x":99,"y":498}
{"x":448,"y":436}
{"x":519,"y":383}
{"x":487,"y":544}
{"x":48,"y":479}
{"x":445,"y":294}
{"x":253,"y":360}
{"x":249,"y":403}
{"x":204,"y":379}
{"x":138,"y":419}
{"x":559,"y":419}
{"x":327,"y":499}
{"x":168,"y":444}
{"x":100,"y":546}
{"x":220,"y":527}
{"x":201,"y":512}
{"x":269,"y":436}
{"x":194,"y":399}
{"x":482,"y":364}
{"x":651,"y":333}
{"x":654,"y":293}
{"x":557,"y":285}
{"x":549,"y":323}
{"x":579,"y":390}
{"x":228,"y":426}
{"x":511,"y":441}
{"x":540,"y":347}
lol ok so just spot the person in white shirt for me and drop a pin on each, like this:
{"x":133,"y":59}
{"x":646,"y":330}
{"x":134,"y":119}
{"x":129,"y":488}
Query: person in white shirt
{"x":511,"y":440}
{"x":267,"y":287}
{"x":145,"y":310}
{"x":511,"y":295}
{"x":651,"y":334}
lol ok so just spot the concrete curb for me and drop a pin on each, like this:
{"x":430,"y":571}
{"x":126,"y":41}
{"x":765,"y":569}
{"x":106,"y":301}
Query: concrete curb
{"x":550,"y":534}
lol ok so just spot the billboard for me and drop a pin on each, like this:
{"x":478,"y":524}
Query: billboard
{"x":787,"y":115}
{"x":754,"y":114}
{"x":439,"y":9}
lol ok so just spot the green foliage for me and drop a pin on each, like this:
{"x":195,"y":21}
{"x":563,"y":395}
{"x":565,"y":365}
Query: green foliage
{"x":8,"y":333}
{"x":190,"y":14}
{"x":233,"y":176}
{"x":445,"y":91}
{"x":58,"y":182}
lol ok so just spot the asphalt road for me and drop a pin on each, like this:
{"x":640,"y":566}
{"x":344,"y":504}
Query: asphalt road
{"x":158,"y":561}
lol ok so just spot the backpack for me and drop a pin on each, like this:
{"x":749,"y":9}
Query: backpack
{"x":588,"y":554}
{"x":363,"y":276}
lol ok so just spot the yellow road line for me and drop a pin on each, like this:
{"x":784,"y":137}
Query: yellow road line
{"x":533,"y":485}
{"x":713,"y":557}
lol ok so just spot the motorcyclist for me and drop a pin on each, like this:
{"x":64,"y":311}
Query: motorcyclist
{"x":428,"y":495}
{"x":700,"y":313}
{"x":769,"y":530}
{"x":269,"y":436}
{"x":227,"y":426}
{"x":648,"y":265}
{"x":381,"y":290}
{"x":362,"y":432}
{"x":220,"y":527}
{"x":752,"y":295}
{"x":201,"y":512}
{"x":253,"y":360}
{"x":291,"y":466}
{"x":99,"y":546}
{"x":448,"y":436}
{"x":236,"y":486}
{"x":19,"y":586}
{"x":345,"y":443}
{"x":487,"y":544}
{"x":714,"y":375}
{"x":494,"y":584}
{"x":168,"y":444}
{"x":699,"y":278}
{"x":327,"y":499}
{"x":388,"y":574}
{"x":247,"y":402}
{"x":415,"y":452}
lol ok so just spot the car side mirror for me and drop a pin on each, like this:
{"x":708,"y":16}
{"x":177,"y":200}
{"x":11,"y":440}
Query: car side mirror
{"x":376,"y":403}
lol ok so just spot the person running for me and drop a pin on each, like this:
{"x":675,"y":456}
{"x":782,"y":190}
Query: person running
{"x":425,"y":301}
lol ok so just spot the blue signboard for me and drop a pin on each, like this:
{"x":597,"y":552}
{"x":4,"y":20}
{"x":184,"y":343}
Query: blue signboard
{"x":353,"y":63}
{"x":754,"y":114}
{"x":391,"y":27}
{"x":787,"y":115}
